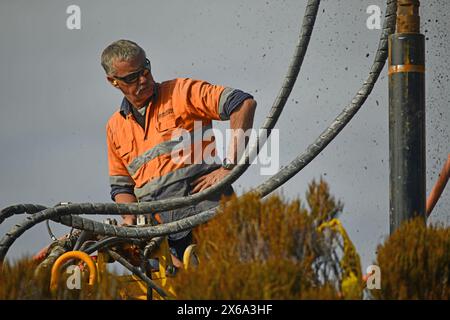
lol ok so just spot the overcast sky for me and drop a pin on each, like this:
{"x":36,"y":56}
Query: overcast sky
{"x":55,"y":100}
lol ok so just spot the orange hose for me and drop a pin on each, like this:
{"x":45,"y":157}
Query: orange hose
{"x":438,"y":187}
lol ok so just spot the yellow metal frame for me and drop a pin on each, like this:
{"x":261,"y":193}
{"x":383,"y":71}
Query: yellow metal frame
{"x":135,"y":288}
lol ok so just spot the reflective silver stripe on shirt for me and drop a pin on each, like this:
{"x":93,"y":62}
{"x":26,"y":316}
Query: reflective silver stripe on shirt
{"x":156,"y":151}
{"x":223,"y":98}
{"x":174,"y":176}
{"x":160,"y":149}
{"x":121,"y":180}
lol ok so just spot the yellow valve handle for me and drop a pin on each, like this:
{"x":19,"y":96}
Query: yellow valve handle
{"x":79,"y":255}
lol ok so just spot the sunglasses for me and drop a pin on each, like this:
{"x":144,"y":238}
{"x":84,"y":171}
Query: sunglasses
{"x":132,"y":77}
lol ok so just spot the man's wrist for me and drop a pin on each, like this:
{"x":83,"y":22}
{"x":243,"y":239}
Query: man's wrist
{"x":129,"y":220}
{"x":227,"y":164}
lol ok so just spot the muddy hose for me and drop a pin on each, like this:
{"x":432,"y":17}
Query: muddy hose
{"x":19,"y":209}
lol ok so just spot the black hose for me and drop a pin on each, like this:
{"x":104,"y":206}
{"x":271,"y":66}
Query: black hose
{"x":86,"y":244}
{"x":81,"y":238}
{"x":152,"y":246}
{"x":50,"y":232}
{"x":19,"y":209}
{"x":104,"y":243}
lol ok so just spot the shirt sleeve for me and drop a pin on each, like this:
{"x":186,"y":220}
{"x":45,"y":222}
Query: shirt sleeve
{"x":119,"y":178}
{"x":230,"y":99}
{"x":208,"y":101}
{"x":116,"y":189}
{"x":200,"y":98}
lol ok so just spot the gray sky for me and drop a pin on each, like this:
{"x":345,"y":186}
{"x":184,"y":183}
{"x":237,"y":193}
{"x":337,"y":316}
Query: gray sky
{"x":55,"y":101}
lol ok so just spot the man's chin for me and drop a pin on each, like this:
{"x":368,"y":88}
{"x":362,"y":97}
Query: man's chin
{"x":142,"y":97}
{"x":144,"y":92}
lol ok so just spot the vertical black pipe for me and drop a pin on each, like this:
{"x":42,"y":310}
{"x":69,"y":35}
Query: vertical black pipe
{"x":406,"y":127}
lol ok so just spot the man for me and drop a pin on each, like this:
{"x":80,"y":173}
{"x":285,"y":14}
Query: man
{"x":142,"y":135}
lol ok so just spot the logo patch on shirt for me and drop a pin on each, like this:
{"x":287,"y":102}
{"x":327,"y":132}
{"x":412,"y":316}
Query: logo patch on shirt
{"x":165,"y":113}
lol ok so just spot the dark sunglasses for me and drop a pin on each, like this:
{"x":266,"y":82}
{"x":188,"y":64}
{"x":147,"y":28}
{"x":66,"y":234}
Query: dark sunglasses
{"x":132,"y":77}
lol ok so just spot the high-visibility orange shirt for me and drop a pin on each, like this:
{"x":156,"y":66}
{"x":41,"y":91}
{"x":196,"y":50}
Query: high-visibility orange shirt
{"x":142,"y":157}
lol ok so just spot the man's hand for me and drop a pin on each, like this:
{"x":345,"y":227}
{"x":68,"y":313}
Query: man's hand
{"x":209,"y":179}
{"x":128,"y":220}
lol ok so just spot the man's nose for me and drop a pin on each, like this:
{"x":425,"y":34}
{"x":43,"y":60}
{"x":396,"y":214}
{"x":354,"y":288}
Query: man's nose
{"x":143,"y":78}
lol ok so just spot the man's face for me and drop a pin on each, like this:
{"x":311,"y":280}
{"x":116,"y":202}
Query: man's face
{"x":134,"y":79}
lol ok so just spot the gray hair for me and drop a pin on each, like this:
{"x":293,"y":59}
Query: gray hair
{"x":122,"y":50}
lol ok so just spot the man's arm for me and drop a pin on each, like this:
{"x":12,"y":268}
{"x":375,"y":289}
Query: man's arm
{"x":121,"y":183}
{"x":241,"y":118}
{"x":126,"y":198}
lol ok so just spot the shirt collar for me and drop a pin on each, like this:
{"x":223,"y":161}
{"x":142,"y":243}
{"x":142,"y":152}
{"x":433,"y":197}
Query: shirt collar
{"x":125,"y":106}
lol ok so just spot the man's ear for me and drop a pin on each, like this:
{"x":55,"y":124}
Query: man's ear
{"x":113,"y":81}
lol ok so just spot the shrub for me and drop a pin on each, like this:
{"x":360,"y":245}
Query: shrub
{"x":267,"y":249}
{"x":415,"y":263}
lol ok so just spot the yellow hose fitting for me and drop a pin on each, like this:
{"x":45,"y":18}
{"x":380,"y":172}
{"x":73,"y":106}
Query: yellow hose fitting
{"x":79,"y":255}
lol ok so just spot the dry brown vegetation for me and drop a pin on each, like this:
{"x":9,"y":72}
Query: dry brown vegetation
{"x":267,"y":249}
{"x":19,"y":281}
{"x":273,"y":249}
{"x":415,"y":263}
